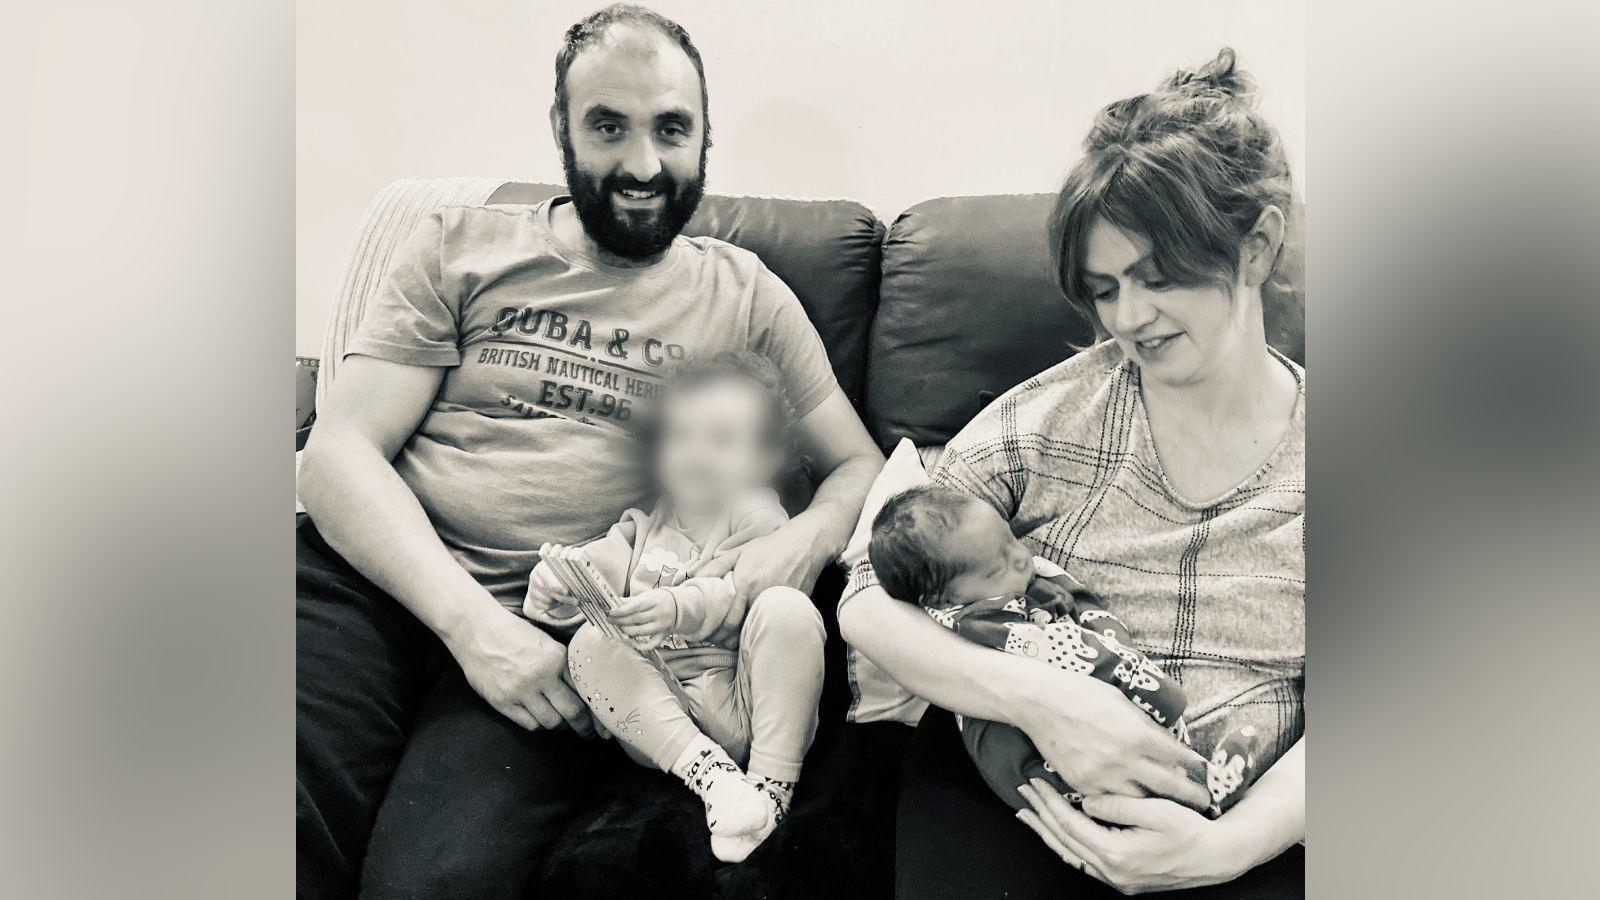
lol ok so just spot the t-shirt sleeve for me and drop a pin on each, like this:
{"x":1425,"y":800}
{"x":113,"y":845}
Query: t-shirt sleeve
{"x":413,"y":318}
{"x":978,"y":462}
{"x":781,"y":331}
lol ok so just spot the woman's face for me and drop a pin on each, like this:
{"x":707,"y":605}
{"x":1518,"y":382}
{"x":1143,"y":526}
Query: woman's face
{"x":1176,"y":334}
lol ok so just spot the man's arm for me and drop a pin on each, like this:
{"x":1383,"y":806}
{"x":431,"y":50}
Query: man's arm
{"x":367,"y":513}
{"x":795,"y":554}
{"x":1084,"y":727}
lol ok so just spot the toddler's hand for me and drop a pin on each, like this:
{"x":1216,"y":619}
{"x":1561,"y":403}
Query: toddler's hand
{"x":648,"y":618}
{"x":547,"y":599}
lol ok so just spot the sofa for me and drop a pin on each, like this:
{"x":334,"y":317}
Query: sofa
{"x":926,"y":319}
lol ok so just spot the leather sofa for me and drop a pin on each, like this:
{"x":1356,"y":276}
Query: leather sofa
{"x":926,"y":320}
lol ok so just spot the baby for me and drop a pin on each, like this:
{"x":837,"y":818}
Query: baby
{"x":956,"y":557}
{"x":735,"y":708}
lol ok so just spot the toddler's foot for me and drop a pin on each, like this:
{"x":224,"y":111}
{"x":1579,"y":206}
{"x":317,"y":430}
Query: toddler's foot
{"x":733,"y":805}
{"x":777,"y":795}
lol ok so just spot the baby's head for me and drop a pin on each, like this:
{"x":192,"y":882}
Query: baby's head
{"x":936,"y":547}
{"x":724,"y":429}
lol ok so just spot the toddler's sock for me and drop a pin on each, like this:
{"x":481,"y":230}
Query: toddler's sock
{"x":733,"y":805}
{"x":777,"y":794}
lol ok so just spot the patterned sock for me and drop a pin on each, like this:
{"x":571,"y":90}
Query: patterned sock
{"x":733,"y":805}
{"x":777,"y":794}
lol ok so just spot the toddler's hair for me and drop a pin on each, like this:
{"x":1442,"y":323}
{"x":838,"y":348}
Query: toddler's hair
{"x":907,"y":549}
{"x":749,"y":366}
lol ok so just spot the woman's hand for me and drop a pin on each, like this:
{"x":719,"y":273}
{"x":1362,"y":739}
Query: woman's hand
{"x":1158,"y":846}
{"x":1102,"y":744}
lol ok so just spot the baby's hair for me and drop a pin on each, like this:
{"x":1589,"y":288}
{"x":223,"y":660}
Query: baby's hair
{"x":748,"y":366}
{"x":907,"y":548}
{"x":1189,"y":166}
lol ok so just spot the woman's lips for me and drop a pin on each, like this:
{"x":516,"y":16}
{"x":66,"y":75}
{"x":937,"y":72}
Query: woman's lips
{"x":1154,"y":347}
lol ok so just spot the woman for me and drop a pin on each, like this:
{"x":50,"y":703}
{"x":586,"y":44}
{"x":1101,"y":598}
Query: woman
{"x":1164,"y":468}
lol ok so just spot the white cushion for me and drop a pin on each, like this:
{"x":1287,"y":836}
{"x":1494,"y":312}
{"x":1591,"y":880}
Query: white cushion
{"x":903,"y":471}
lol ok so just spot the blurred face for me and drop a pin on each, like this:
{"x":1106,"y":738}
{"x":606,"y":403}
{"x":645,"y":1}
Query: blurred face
{"x":634,"y":143}
{"x":1175,"y":333}
{"x":990,"y":560}
{"x":714,"y":445}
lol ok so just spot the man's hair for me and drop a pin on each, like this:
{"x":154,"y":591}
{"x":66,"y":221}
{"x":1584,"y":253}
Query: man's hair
{"x":907,"y":548}
{"x":1189,"y":167}
{"x":594,"y":26}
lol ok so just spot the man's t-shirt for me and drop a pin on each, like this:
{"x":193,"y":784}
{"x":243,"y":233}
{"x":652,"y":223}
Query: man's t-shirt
{"x":554,"y":360}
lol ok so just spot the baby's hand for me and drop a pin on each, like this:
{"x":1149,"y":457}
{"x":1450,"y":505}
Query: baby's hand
{"x":547,"y":599}
{"x":648,"y":618}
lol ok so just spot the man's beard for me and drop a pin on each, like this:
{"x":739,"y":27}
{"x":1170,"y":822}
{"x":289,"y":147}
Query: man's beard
{"x":631,"y":234}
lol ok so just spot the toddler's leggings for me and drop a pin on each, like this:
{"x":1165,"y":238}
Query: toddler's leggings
{"x":758,"y":702}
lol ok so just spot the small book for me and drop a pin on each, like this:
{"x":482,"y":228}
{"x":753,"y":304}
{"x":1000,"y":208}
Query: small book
{"x":584,"y":584}
{"x":596,"y":599}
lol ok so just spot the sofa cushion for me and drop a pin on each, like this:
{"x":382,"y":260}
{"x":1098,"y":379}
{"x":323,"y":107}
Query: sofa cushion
{"x":827,"y":251}
{"x":969,"y":308}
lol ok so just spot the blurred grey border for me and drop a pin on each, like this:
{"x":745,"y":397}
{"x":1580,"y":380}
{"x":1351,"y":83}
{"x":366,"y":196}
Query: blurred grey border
{"x":146,"y":653}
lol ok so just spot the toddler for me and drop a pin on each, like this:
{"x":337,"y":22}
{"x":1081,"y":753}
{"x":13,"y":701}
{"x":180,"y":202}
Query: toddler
{"x":956,"y":557}
{"x":735,"y":710}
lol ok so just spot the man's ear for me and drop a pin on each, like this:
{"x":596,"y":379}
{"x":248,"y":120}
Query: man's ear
{"x":1262,"y":245}
{"x":555,"y":124}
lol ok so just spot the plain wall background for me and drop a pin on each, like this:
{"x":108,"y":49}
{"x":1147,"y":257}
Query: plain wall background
{"x":884,"y":101}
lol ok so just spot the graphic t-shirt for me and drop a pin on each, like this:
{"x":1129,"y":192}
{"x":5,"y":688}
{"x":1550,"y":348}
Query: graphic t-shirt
{"x":554,"y":360}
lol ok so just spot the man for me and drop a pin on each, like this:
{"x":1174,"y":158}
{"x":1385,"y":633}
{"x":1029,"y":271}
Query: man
{"x":487,"y":405}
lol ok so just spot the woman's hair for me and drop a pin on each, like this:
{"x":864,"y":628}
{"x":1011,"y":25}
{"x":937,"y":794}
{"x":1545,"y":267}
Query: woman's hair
{"x":1189,"y":167}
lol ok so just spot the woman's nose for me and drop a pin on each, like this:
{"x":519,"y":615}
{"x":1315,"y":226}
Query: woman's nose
{"x":1134,"y":310}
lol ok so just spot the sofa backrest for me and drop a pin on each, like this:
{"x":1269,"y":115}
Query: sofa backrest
{"x":827,"y":251}
{"x":968,"y":308}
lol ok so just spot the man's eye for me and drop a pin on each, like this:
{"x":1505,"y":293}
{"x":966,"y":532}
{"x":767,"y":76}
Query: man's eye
{"x":673,"y":131}
{"x":609,"y":129}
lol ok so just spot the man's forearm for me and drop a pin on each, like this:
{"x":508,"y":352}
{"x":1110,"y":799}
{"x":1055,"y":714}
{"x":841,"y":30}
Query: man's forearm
{"x":834,"y":508}
{"x":369,"y":515}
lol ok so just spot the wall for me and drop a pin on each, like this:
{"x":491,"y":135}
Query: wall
{"x":885,"y":101}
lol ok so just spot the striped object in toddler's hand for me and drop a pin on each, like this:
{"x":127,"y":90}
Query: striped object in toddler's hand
{"x":583,"y":582}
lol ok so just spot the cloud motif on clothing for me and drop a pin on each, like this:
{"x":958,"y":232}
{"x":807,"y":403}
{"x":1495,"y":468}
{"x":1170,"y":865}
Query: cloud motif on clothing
{"x":656,"y":557}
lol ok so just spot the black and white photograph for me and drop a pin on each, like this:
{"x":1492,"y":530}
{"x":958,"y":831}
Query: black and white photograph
{"x":674,"y":525}
{"x":799,"y":449}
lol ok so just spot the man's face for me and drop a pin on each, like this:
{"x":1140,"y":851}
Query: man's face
{"x":634,"y":143}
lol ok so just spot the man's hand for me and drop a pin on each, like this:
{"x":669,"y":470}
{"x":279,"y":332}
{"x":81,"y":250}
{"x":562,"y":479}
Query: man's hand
{"x":520,"y":671}
{"x":1102,"y":744}
{"x":648,"y":618}
{"x":788,"y":556}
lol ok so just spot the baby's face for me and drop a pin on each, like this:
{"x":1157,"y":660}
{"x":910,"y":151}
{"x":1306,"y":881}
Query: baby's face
{"x":990,"y":562}
{"x":714,"y":446}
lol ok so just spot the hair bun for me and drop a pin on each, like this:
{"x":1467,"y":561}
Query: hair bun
{"x":1220,"y":76}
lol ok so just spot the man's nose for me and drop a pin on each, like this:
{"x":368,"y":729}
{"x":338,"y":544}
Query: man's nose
{"x":641,"y":163}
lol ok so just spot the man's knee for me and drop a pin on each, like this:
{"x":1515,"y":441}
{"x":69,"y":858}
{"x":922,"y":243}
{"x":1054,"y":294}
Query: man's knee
{"x":784,"y":609}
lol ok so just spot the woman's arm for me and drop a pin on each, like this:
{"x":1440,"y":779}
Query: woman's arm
{"x":1271,"y":817}
{"x":1151,"y":844}
{"x":1085,"y":728}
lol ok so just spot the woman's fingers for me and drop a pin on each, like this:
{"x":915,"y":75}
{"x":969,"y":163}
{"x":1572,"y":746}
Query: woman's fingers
{"x":569,"y":706}
{"x":522,"y":717}
{"x":1077,"y":830}
{"x":1032,"y":820}
{"x":1173,"y":784}
{"x":1145,"y":812}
